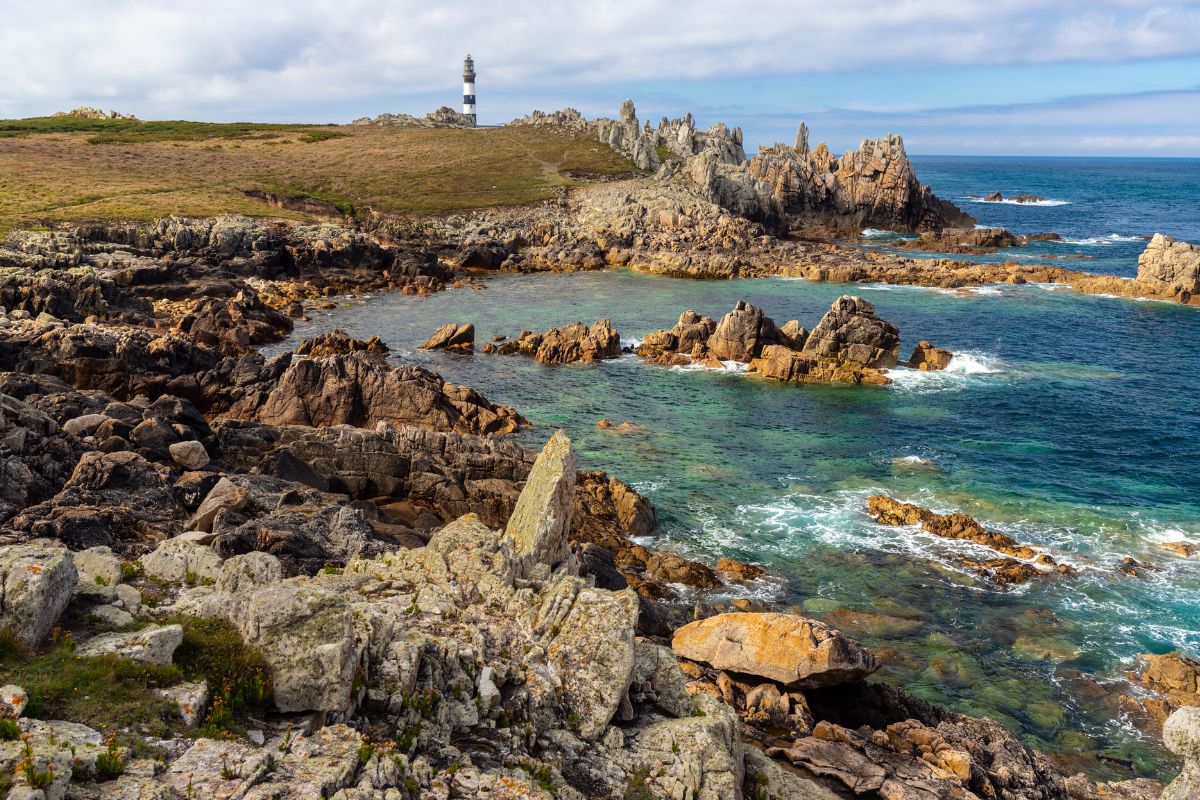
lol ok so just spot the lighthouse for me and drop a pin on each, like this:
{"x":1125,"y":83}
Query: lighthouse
{"x":469,"y":87}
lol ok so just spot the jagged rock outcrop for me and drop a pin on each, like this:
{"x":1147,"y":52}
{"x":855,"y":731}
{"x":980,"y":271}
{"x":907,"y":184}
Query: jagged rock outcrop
{"x":444,"y":117}
{"x":742,"y":334}
{"x":850,"y":333}
{"x":359,"y":389}
{"x":338,"y":342}
{"x":1170,"y":268}
{"x":232,"y":325}
{"x":452,"y":336}
{"x":849,"y":344}
{"x":873,"y":186}
{"x":790,"y":650}
{"x":571,"y":344}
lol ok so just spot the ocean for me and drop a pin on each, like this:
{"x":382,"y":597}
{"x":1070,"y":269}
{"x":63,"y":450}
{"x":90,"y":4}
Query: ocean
{"x":1070,"y":422}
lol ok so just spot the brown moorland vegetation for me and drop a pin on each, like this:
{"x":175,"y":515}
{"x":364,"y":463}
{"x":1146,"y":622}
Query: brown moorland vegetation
{"x":53,"y":172}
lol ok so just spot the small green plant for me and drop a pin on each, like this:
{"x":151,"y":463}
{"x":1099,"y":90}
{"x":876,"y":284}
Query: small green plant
{"x":227,"y":772}
{"x":408,"y":738}
{"x":543,"y":776}
{"x":636,"y":788}
{"x":189,"y":578}
{"x":365,"y":751}
{"x":36,"y":778}
{"x":572,"y":720}
{"x":110,"y":764}
{"x":132,"y":569}
{"x":330,"y":569}
{"x":311,"y":137}
{"x":102,"y":581}
{"x":674,"y":747}
{"x":286,"y":743}
{"x":10,"y":731}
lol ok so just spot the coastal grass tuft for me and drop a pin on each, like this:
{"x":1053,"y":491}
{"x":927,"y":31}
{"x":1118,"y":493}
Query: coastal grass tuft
{"x":60,"y":169}
{"x":115,"y":694}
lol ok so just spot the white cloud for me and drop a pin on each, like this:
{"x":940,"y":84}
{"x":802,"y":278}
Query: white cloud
{"x":223,"y":56}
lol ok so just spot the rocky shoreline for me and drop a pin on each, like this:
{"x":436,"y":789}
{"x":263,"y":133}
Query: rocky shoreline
{"x":422,"y":607}
{"x":438,"y":613}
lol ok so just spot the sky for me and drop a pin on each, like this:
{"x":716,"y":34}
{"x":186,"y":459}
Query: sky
{"x":984,"y":77}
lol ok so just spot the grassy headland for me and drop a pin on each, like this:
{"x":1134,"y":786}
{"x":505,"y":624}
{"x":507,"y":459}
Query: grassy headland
{"x":63,"y":169}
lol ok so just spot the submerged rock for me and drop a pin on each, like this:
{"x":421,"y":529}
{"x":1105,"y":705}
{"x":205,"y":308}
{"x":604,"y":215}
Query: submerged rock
{"x":1023,"y":562}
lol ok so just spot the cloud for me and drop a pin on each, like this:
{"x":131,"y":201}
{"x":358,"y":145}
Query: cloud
{"x":225,"y":56}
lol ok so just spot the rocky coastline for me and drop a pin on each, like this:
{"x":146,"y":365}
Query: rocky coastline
{"x":419,"y":606}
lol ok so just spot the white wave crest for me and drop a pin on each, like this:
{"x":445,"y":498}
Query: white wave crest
{"x":726,"y":366}
{"x":1043,"y":203}
{"x":963,"y":370}
{"x":1101,"y":241}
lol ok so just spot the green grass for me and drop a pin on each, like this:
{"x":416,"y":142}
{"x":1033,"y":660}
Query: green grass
{"x":127,"y":131}
{"x":114,"y":694}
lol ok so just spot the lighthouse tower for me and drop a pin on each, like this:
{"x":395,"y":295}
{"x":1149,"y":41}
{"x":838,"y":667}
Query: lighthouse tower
{"x":469,"y":87}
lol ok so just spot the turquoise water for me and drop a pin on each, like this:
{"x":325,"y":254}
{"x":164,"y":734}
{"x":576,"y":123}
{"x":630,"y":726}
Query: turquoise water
{"x":1070,"y":422}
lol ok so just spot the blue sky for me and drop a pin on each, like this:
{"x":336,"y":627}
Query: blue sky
{"x":1107,"y":77}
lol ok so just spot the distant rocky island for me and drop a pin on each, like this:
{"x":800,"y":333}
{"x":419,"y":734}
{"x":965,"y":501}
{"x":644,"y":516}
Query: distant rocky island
{"x":330,"y":573}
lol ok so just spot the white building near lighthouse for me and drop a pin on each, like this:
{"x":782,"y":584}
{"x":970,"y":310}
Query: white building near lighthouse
{"x":469,"y":88}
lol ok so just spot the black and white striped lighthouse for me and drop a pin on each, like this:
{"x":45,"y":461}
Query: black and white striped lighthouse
{"x":469,"y":87}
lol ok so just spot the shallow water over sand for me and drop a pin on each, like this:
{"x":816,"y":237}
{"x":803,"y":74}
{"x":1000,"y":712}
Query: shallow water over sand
{"x":1070,"y":422}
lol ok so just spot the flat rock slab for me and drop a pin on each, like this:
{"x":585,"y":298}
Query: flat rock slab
{"x":153,"y":645}
{"x":785,"y":648}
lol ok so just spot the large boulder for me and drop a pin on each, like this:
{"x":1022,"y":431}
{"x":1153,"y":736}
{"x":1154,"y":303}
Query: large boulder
{"x":452,"y":336}
{"x":742,"y":333}
{"x":234,"y":324}
{"x":36,"y":583}
{"x":1181,"y":734}
{"x":540,"y":522}
{"x":785,"y":648}
{"x":306,"y":634}
{"x":338,"y":342}
{"x":851,"y":333}
{"x":1170,"y":268}
{"x":593,"y":653}
{"x":153,"y":645}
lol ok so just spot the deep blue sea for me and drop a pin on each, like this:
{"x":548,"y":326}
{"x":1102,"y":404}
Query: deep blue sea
{"x":1104,"y":208}
{"x":1071,"y":422}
